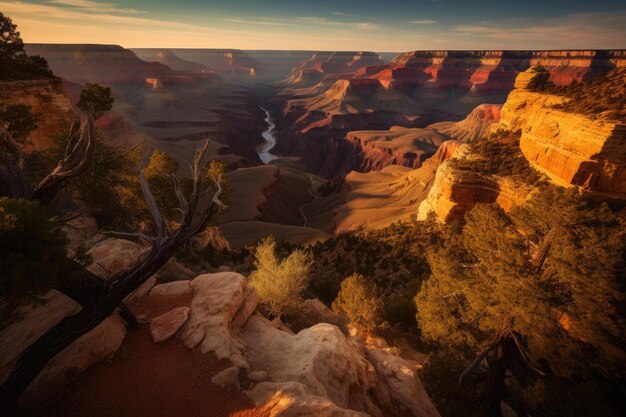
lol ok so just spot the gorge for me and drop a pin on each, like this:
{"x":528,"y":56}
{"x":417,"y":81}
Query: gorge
{"x":360,"y":231}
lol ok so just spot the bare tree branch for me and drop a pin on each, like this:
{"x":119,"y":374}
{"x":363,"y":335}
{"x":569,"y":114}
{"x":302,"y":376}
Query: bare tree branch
{"x":196,"y":216}
{"x":78,"y":155}
{"x":12,"y":179}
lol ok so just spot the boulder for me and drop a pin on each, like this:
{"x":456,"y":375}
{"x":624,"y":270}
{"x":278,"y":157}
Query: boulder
{"x":258,"y":376}
{"x":112,"y":256}
{"x":314,"y":312}
{"x":293,"y":399}
{"x":221,"y":303}
{"x":172,"y":288}
{"x":227,"y":378}
{"x":167,"y":324}
{"x":321,"y":358}
{"x":81,"y":231}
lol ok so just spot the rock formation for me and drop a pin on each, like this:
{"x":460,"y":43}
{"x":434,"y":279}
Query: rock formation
{"x":454,"y":192}
{"x":571,"y":148}
{"x":318,"y":370}
{"x":49,"y":103}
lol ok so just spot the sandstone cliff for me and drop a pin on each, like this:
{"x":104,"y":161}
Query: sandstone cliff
{"x":571,"y":148}
{"x":454,"y":192}
{"x":49,"y":103}
{"x":482,"y":71}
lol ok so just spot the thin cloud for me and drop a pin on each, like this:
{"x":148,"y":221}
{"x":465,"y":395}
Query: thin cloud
{"x":94,"y":6}
{"x":423,"y":22}
{"x":345,"y":14}
{"x":47,"y":12}
{"x":256,"y":22}
{"x":326,"y":22}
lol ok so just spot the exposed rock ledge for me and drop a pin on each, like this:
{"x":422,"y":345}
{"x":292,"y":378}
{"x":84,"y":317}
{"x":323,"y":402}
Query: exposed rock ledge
{"x":317,"y":372}
{"x":455,"y":192}
{"x":571,"y":148}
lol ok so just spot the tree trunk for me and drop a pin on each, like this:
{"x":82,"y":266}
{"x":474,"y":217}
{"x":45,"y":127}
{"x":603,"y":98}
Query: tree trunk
{"x":498,"y":361}
{"x":36,"y":356}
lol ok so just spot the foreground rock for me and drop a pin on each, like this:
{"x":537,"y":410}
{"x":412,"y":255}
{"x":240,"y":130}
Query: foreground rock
{"x":91,"y":348}
{"x":221,"y":304}
{"x":167,"y":324}
{"x":317,"y":372}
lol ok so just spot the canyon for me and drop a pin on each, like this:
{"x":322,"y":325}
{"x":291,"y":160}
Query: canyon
{"x":315,"y":146}
{"x":341,"y":125}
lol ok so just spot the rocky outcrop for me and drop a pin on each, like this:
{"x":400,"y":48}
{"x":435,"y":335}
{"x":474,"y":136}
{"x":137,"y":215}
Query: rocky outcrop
{"x":318,"y":371}
{"x":572,"y":149}
{"x":397,"y":146}
{"x":169,"y":58}
{"x":49,"y":103}
{"x":226,"y":62}
{"x":477,"y":124}
{"x":454,"y":191}
{"x":333,"y":63}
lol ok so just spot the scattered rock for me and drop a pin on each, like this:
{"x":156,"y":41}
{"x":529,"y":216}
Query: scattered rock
{"x":258,"y":376}
{"x":166,"y":325}
{"x":227,"y":377}
{"x":172,"y":288}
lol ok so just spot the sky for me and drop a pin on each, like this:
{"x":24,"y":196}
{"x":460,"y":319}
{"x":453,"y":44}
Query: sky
{"x":371,"y":25}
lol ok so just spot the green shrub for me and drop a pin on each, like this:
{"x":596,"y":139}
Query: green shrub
{"x":280,"y":282}
{"x":359,"y":300}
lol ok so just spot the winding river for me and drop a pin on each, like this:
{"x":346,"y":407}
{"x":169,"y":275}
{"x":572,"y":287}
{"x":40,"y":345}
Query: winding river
{"x":270,"y":140}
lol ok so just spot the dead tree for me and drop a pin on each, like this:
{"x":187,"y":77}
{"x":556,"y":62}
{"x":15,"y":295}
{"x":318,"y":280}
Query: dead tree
{"x":78,"y":155}
{"x":195,"y":215}
{"x":500,"y":354}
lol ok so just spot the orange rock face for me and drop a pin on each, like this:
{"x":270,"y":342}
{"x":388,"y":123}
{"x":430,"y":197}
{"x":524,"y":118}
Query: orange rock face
{"x":572,"y":149}
{"x":49,"y":103}
{"x":455,"y":192}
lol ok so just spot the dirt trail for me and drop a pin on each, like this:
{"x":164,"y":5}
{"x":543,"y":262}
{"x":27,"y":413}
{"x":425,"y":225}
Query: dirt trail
{"x":146,"y":379}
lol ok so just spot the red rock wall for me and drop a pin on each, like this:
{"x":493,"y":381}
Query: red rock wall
{"x":48,"y":101}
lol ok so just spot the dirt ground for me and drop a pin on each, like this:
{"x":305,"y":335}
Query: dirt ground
{"x":155,"y":380}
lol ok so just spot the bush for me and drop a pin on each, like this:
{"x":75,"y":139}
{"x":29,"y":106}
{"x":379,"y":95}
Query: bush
{"x":279,"y":283}
{"x":18,"y":120}
{"x":359,"y":300}
{"x":32,"y":251}
{"x":95,"y":100}
{"x":498,"y":154}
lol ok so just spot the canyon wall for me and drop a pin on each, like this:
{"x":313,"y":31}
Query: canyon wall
{"x":454,"y":192}
{"x":322,"y":102}
{"x":571,"y":148}
{"x":105,"y":64}
{"x":49,"y":103}
{"x":481,"y":71}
